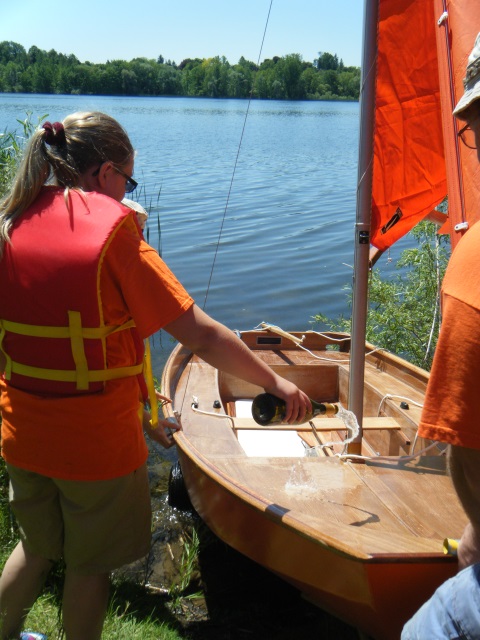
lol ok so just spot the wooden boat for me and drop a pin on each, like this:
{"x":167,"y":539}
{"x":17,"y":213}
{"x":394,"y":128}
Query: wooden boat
{"x":362,"y":540}
{"x":360,"y":535}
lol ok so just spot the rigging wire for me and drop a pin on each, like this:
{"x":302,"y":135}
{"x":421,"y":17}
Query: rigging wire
{"x":229,"y":191}
{"x":235,"y":165}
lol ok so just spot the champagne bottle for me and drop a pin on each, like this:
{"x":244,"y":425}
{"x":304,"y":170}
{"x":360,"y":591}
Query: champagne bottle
{"x":268,"y":409}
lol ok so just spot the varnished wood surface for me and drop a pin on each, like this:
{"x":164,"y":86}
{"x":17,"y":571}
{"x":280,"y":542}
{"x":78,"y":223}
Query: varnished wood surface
{"x":321,"y":424}
{"x":367,"y":509}
{"x":363,"y":540}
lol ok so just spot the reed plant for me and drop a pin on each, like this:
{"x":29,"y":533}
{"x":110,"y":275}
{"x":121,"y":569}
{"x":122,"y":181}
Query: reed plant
{"x":179,"y":591}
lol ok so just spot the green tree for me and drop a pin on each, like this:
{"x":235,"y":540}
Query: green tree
{"x":287,"y":77}
{"x":289,"y":71}
{"x":348,"y":84}
{"x":129,"y":82}
{"x":12,"y":52}
{"x":404,"y":312}
{"x":327,"y":61}
{"x":145,"y":73}
{"x":261,"y":85}
{"x":193,"y":75}
{"x":168,"y":81}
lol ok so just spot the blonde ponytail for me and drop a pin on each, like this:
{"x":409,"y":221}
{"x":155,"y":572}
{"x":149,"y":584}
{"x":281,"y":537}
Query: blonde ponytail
{"x":31,"y":176}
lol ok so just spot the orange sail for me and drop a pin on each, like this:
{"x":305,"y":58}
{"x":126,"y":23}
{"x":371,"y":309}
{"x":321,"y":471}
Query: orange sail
{"x":423,"y":47}
{"x":458,"y":26}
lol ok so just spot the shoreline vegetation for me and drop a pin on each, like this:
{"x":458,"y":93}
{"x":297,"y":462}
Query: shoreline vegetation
{"x":280,"y":78}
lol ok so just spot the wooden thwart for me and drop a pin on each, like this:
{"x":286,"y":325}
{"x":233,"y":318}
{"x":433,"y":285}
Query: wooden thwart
{"x":321,"y":424}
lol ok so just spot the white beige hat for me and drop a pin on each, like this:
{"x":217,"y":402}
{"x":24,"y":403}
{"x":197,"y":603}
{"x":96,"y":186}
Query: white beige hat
{"x":142,"y":215}
{"x":471,"y":82}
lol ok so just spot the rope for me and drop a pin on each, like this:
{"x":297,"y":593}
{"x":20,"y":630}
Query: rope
{"x":273,"y":327}
{"x":235,"y":166}
{"x":195,"y":409}
{"x":351,"y":456}
{"x":390,"y":396}
{"x":352,"y":429}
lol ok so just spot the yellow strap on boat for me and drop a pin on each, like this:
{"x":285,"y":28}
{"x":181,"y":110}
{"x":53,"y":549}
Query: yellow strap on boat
{"x":151,"y":386}
{"x":450,"y":546}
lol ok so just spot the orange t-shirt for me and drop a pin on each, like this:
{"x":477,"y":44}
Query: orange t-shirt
{"x":450,"y":412}
{"x":98,"y":436}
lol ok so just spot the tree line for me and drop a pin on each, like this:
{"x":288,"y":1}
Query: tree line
{"x":282,"y":78}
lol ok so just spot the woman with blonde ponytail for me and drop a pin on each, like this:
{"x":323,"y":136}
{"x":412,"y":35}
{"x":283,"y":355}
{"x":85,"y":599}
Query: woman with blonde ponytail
{"x":80,"y":290}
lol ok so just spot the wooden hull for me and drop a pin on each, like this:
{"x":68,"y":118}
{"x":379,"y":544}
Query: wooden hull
{"x":363,"y":541}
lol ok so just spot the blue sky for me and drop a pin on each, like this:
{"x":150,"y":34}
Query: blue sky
{"x":104,"y":30}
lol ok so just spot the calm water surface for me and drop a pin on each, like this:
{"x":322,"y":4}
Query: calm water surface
{"x":286,"y":242}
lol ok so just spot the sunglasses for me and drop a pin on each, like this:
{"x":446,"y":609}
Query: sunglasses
{"x":130,"y":183}
{"x":467,"y":136}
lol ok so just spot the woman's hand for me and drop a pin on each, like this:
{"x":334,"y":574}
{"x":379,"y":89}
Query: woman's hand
{"x":163,"y":432}
{"x":297,"y":402}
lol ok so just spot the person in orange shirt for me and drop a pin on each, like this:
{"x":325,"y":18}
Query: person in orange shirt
{"x":450,"y":412}
{"x":80,"y":290}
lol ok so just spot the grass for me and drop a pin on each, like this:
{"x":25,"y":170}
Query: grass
{"x":134,"y":612}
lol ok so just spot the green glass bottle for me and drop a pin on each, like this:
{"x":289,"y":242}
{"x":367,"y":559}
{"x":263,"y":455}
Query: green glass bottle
{"x":268,"y":409}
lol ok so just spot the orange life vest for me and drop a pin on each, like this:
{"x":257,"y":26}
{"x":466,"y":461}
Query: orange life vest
{"x":52,"y":331}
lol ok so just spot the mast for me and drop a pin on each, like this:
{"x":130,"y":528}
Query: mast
{"x":363,"y":217}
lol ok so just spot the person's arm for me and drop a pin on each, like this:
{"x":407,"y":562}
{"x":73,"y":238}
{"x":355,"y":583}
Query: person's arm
{"x":464,"y":467}
{"x":221,"y":348}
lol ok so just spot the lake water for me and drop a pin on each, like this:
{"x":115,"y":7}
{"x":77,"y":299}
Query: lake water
{"x":283,"y":247}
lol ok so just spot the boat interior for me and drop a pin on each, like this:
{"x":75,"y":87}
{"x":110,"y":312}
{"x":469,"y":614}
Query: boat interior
{"x":393,"y":397}
{"x":299,"y":470}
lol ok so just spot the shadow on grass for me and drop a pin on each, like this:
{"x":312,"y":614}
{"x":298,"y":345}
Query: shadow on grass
{"x":133,"y":600}
{"x":239,"y":600}
{"x":244,"y":600}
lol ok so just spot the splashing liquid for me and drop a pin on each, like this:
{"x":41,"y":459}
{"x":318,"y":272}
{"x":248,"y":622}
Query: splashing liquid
{"x":299,"y":480}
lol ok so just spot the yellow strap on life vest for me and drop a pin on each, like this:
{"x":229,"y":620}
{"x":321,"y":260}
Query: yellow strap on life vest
{"x":76,"y":333}
{"x":39,"y":331}
{"x":64,"y":375}
{"x":8,"y":360}
{"x":152,"y":396}
{"x":78,"y":351}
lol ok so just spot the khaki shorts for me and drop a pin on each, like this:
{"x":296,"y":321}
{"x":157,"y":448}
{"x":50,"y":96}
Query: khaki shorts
{"x":95,"y":526}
